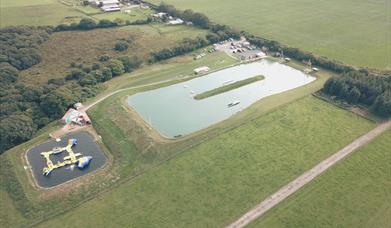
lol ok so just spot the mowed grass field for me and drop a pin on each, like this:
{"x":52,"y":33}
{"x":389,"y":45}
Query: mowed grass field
{"x":35,"y":12}
{"x":213,"y":183}
{"x":354,"y":193}
{"x":356,"y":32}
{"x":54,"y":12}
{"x":129,"y":159}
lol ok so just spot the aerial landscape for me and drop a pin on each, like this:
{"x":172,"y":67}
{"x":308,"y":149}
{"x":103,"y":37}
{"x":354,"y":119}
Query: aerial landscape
{"x":195,"y":113}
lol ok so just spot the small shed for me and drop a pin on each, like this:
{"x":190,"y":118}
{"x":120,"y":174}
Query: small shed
{"x":110,"y":8}
{"x":177,"y":21}
{"x":201,"y":70}
{"x":260,"y":54}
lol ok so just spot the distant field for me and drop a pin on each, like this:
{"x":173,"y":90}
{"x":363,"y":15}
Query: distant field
{"x":53,"y":12}
{"x":136,"y":14}
{"x":354,"y":31}
{"x":63,"y":48}
{"x":215,"y":182}
{"x":39,"y":12}
{"x":354,"y":193}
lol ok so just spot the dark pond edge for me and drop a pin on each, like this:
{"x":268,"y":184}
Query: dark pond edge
{"x":97,"y":141}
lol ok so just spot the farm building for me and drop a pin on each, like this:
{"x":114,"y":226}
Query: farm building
{"x":76,"y":115}
{"x":260,"y":54}
{"x":110,"y":8}
{"x":106,"y":2}
{"x":177,"y":21}
{"x":108,"y":5}
{"x":159,"y":15}
{"x":201,"y":70}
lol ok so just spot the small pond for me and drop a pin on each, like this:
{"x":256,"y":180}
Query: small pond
{"x":86,"y":146}
{"x":173,"y":111}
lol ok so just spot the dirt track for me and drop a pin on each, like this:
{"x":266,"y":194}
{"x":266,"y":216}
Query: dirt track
{"x":306,"y":177}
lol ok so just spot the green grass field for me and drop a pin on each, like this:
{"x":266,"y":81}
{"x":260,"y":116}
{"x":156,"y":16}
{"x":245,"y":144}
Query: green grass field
{"x":215,"y":182}
{"x":53,"y":12}
{"x":354,"y":193}
{"x":136,"y":14}
{"x":39,"y":12}
{"x":354,"y":31}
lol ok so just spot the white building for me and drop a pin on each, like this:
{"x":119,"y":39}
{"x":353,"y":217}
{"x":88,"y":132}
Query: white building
{"x":201,"y":70}
{"x":177,"y":21}
{"x":159,"y":15}
{"x":110,"y":8}
{"x":106,"y":2}
{"x":108,"y":5}
{"x":260,"y":54}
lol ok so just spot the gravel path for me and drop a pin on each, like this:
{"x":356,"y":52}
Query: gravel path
{"x":306,"y":177}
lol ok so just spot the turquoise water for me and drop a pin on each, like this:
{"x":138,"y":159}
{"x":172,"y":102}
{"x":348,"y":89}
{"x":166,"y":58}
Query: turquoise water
{"x":173,"y":111}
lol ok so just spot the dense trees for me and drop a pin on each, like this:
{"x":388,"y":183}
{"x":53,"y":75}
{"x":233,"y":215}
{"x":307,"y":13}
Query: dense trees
{"x":130,"y":63}
{"x":88,"y":24}
{"x":8,"y":73}
{"x":15,"y":129}
{"x":359,"y":88}
{"x":19,"y":45}
{"x":121,"y":45}
{"x":24,"y":109}
{"x":198,"y":19}
{"x":185,"y":46}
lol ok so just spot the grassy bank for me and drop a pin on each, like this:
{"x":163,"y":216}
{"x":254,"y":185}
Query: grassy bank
{"x":334,"y":28}
{"x":354,"y":193}
{"x":28,"y":204}
{"x":228,"y":87}
{"x":216,"y":181}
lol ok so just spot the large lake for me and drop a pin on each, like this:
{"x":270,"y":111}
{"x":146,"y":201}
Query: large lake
{"x":173,"y":111}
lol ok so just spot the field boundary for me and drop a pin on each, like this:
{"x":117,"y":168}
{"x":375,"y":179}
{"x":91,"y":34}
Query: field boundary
{"x":307,"y":177}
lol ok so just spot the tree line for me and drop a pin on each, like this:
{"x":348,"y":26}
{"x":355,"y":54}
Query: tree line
{"x":198,"y":19}
{"x":19,"y":46}
{"x":24,"y":109}
{"x":300,"y":55}
{"x":89,"y":24}
{"x":359,"y":88}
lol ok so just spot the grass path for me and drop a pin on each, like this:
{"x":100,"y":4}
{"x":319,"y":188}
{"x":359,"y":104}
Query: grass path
{"x":306,"y":177}
{"x":228,"y":87}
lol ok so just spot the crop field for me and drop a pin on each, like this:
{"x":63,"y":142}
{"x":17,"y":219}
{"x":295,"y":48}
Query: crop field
{"x":356,"y":32}
{"x":39,"y":12}
{"x":354,"y":193}
{"x":63,"y":48}
{"x":216,"y":181}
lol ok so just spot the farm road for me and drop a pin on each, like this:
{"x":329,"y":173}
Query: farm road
{"x":124,"y":89}
{"x":306,"y":177}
